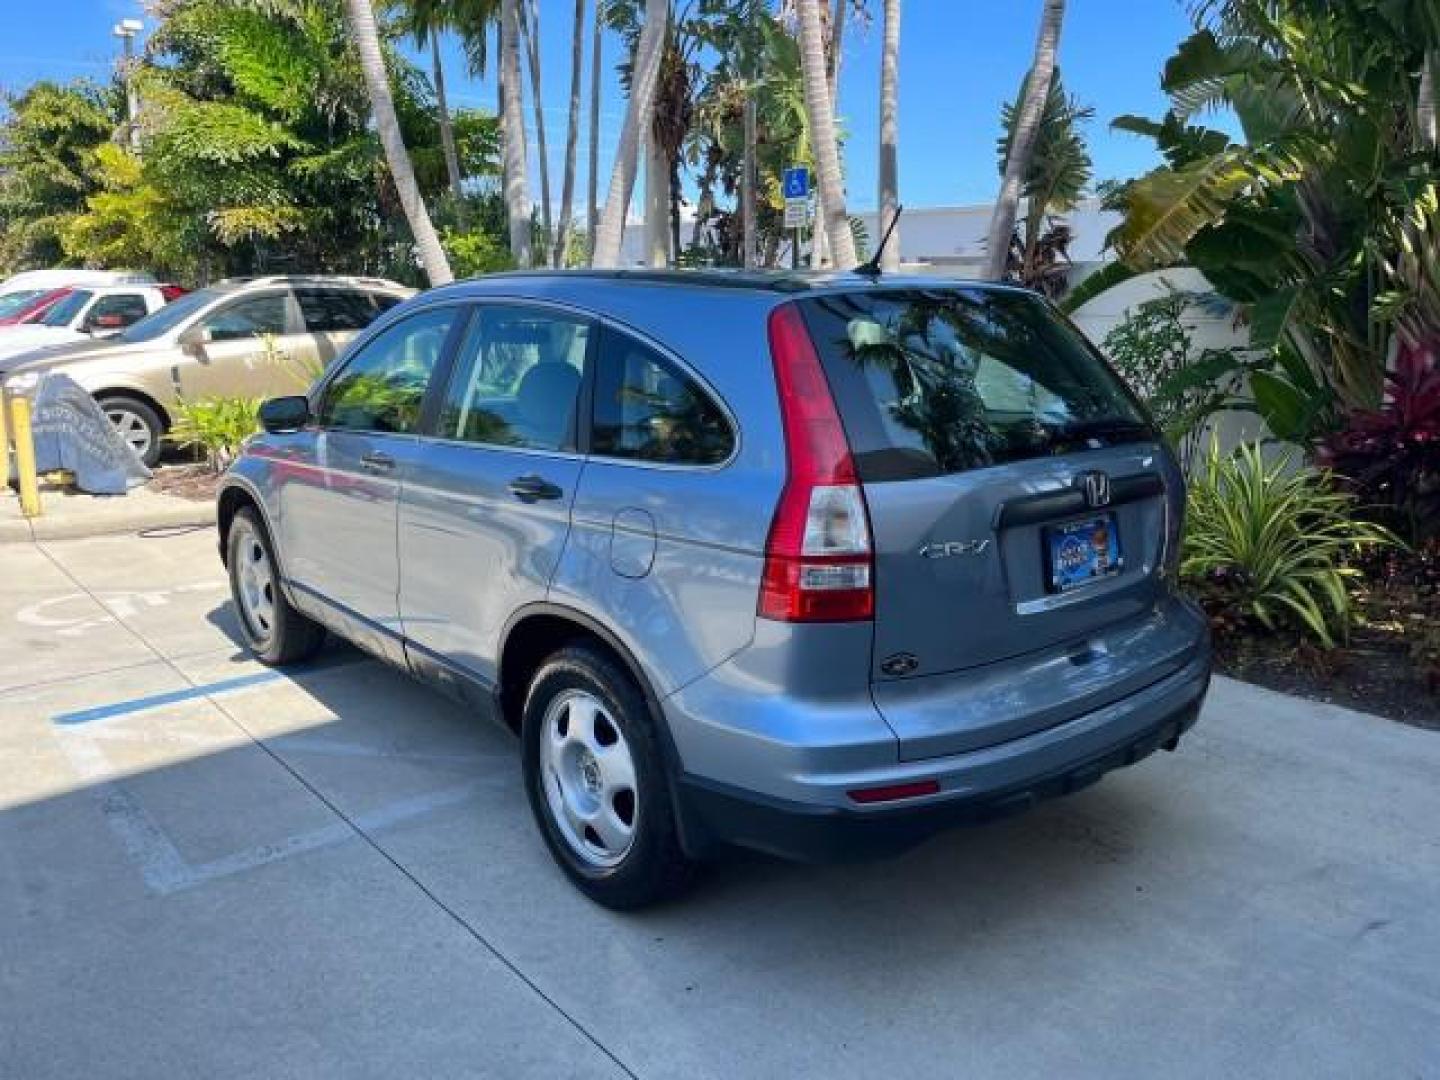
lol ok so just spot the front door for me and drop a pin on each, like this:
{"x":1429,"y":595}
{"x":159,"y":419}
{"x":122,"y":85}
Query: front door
{"x":337,"y":510}
{"x":253,"y":346}
{"x":483,"y":522}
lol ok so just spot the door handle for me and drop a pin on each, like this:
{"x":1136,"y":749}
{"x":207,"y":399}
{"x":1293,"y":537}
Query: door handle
{"x":376,"y":462}
{"x":529,"y":489}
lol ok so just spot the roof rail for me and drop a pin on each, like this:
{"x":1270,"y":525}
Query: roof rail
{"x":311,"y":279}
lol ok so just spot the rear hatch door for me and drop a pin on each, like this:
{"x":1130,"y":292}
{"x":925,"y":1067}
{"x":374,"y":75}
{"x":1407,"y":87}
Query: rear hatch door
{"x":1017,"y":493}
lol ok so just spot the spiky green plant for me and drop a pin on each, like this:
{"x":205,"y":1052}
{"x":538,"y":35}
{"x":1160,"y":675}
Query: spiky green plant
{"x":1271,"y":542}
{"x":215,"y":426}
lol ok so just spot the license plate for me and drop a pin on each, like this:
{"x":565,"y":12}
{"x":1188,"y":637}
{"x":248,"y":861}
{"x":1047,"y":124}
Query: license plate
{"x":1080,"y":552}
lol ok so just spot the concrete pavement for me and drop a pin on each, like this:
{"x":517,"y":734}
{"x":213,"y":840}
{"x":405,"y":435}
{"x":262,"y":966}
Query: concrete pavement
{"x":210,"y":869}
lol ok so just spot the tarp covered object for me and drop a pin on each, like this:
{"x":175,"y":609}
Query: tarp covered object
{"x":72,"y":433}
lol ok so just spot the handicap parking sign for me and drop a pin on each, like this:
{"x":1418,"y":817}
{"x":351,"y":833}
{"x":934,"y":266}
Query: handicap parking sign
{"x":796,"y":182}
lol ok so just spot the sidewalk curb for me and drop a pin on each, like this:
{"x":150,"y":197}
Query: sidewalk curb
{"x":174,"y":515}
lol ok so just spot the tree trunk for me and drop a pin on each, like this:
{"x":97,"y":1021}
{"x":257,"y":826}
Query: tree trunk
{"x":890,"y":135}
{"x":822,"y":134}
{"x":447,"y":127}
{"x":1032,"y":108}
{"x":819,"y":248}
{"x":639,"y":116}
{"x":747,"y":187}
{"x":592,"y":221}
{"x":517,"y":195}
{"x":1425,"y":108}
{"x":530,"y":35}
{"x":377,"y":81}
{"x":657,"y":204}
{"x":572,"y":136}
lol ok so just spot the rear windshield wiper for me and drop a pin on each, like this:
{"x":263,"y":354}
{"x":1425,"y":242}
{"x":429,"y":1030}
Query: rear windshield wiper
{"x":1108,"y":430}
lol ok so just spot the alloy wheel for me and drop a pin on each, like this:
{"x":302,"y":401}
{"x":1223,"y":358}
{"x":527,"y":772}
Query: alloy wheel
{"x":588,"y":776}
{"x":255,"y":584}
{"x":132,"y":428}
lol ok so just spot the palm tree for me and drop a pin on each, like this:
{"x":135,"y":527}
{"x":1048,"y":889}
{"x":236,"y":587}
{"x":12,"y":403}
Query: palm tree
{"x":819,"y":249}
{"x":1032,"y":106}
{"x":592,"y":219}
{"x":822,"y":130}
{"x":572,"y":136}
{"x":377,"y":81}
{"x":889,"y":132}
{"x":530,"y":35}
{"x":639,"y":117}
{"x":517,"y":195}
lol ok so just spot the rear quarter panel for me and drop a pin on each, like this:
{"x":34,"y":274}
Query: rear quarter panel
{"x":700,"y":530}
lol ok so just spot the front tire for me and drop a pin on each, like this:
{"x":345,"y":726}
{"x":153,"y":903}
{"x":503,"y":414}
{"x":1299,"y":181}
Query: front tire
{"x":273,"y":630}
{"x":596,"y":781}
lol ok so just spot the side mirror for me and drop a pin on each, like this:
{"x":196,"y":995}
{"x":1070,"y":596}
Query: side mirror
{"x":283,"y":414}
{"x":193,"y":340}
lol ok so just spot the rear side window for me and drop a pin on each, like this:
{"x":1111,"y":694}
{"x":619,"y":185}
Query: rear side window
{"x":116,"y":311}
{"x":647,"y":409}
{"x":933,"y":382}
{"x":328,"y":311}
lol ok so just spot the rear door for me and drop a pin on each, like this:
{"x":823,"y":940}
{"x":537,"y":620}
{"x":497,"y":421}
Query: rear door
{"x":1015,"y":489}
{"x":484,"y":517}
{"x":332,"y":317}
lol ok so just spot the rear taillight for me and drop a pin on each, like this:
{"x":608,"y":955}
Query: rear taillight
{"x":818,"y":563}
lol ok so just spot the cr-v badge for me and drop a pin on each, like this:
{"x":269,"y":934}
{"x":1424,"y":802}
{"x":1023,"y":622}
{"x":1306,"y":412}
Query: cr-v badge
{"x":953,"y":548}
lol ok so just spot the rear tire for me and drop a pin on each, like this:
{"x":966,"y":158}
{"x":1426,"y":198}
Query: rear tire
{"x":274,"y":631}
{"x":596,"y":780}
{"x":138,"y":424}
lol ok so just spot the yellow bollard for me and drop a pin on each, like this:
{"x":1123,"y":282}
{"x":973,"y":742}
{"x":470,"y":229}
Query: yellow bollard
{"x":4,"y":444}
{"x":25,"y":456}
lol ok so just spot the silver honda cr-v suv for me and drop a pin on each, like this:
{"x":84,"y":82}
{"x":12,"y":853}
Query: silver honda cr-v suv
{"x":812,"y":565}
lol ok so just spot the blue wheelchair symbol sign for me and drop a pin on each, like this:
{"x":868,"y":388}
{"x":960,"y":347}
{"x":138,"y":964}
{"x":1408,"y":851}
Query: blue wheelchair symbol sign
{"x":797,"y":182}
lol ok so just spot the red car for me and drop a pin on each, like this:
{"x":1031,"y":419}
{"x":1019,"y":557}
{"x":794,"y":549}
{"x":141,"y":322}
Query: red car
{"x":28,"y":306}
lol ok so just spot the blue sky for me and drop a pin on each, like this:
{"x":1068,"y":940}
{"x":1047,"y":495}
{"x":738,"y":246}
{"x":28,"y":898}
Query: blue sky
{"x":959,"y":60}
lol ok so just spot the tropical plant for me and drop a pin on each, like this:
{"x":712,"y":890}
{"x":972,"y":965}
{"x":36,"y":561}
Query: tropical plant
{"x":1391,"y":455}
{"x":529,"y":12}
{"x":820,"y":113}
{"x":1268,"y":543}
{"x":1153,"y":350}
{"x":1297,"y":222}
{"x":1053,"y":183}
{"x":517,"y":189}
{"x":49,"y":142}
{"x":215,"y":427}
{"x":387,"y":123}
{"x":1026,"y":127}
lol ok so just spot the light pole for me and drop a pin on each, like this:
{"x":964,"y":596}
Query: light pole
{"x":125,"y":30}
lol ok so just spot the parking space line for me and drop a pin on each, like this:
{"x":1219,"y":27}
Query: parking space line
{"x":169,"y":697}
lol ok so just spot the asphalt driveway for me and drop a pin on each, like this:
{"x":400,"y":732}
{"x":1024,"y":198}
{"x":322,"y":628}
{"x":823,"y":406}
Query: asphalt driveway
{"x":209,"y":869}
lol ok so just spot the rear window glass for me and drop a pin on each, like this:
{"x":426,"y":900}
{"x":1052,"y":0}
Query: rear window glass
{"x":933,"y":382}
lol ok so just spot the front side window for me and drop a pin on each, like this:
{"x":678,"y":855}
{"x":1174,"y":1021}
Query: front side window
{"x":247,"y":319}
{"x":647,"y":409}
{"x":937,"y":381}
{"x":382,"y":387}
{"x":329,"y":311}
{"x":65,"y":311}
{"x":517,"y":379}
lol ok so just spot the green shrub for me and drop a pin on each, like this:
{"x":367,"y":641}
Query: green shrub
{"x":215,"y":427}
{"x":1269,"y":543}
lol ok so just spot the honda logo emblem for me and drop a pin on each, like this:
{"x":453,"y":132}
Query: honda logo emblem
{"x":1095,"y":486}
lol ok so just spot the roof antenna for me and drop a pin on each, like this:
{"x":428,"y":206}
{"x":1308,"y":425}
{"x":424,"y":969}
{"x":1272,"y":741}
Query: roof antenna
{"x":871,"y":268}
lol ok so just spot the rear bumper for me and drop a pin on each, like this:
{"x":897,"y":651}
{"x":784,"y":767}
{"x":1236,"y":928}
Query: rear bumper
{"x":975,"y":787}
